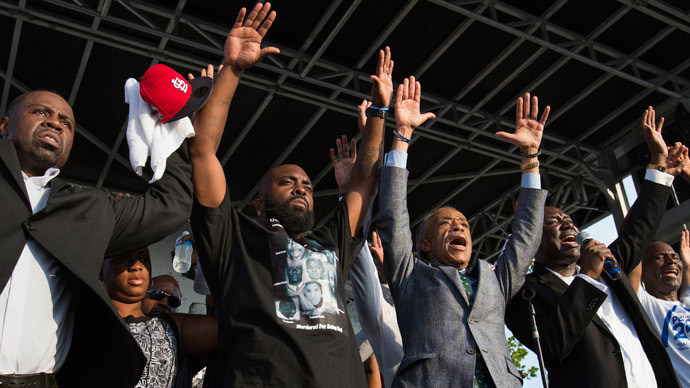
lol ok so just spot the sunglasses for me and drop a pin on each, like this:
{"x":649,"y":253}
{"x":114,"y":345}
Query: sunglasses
{"x":157,"y":295}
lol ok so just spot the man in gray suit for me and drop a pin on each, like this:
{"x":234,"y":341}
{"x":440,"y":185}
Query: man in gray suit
{"x":451,"y":308}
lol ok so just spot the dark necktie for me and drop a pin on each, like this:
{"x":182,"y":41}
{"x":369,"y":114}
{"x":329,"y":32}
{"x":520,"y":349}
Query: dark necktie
{"x":482,"y":377}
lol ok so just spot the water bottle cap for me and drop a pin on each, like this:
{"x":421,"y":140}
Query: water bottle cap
{"x":184,"y":233}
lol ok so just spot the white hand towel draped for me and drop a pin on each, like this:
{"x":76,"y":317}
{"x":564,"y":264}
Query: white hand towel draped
{"x":147,"y":135}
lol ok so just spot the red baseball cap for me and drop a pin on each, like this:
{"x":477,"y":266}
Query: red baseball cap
{"x":173,"y":95}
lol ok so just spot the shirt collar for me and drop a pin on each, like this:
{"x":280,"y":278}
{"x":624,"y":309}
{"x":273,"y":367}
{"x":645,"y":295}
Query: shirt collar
{"x":43,"y":180}
{"x":577,"y":271}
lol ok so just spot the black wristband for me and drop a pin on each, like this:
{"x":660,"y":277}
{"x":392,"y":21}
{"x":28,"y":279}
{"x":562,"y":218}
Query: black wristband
{"x":524,"y":155}
{"x":376,"y":113}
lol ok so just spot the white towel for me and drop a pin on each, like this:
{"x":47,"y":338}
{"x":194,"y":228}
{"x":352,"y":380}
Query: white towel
{"x":147,"y":135}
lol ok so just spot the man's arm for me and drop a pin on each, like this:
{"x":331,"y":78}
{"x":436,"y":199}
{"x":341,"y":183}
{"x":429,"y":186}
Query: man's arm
{"x":685,"y":258}
{"x":362,"y":188}
{"x":635,"y":277}
{"x":377,"y":317}
{"x":141,"y":220}
{"x":643,"y":219}
{"x":242,"y":50}
{"x":394,"y":221}
{"x":198,"y":334}
{"x":512,"y":265}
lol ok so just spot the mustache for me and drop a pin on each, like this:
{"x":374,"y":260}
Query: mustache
{"x":54,"y":132}
{"x":294,"y":197}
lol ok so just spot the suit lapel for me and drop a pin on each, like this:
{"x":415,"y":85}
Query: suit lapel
{"x":555,"y":283}
{"x":8,"y":155}
{"x":478,"y":271}
{"x":56,"y":185}
{"x":454,"y":278}
{"x":547,"y":278}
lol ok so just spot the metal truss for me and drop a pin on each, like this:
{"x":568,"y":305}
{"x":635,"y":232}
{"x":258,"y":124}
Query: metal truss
{"x":465,"y":128}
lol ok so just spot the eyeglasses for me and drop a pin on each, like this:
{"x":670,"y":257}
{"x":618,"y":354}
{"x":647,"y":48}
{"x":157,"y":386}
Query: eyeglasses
{"x":173,"y":301}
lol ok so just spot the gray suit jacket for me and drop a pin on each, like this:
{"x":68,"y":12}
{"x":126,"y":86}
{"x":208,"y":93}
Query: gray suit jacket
{"x":441,"y":332}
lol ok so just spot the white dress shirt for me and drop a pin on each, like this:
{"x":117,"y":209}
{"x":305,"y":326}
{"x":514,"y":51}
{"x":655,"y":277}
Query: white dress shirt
{"x":36,"y":313}
{"x":638,"y":370}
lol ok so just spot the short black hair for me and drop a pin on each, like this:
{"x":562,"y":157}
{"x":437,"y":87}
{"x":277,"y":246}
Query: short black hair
{"x":20,"y":98}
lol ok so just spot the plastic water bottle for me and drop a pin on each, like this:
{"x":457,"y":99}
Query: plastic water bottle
{"x":183,"y":254}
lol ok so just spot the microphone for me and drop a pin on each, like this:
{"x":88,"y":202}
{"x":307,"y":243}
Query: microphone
{"x":611,"y":271}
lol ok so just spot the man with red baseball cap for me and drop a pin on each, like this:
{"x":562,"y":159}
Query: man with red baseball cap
{"x":171,"y":94}
{"x":57,"y":324}
{"x":158,"y":110}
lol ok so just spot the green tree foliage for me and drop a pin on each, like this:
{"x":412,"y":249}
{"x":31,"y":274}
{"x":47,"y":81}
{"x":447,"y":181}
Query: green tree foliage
{"x":518,"y":352}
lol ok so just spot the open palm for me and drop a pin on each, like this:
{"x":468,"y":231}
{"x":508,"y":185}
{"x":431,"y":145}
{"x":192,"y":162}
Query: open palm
{"x":243,"y":45}
{"x":343,"y":162}
{"x":407,"y":115}
{"x":528,"y":130}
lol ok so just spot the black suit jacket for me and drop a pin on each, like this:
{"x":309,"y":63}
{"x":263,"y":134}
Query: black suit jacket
{"x":79,"y":226}
{"x":579,"y":350}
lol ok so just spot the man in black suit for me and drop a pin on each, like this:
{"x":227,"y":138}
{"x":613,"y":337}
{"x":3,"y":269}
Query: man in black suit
{"x":593,"y":331}
{"x":57,"y":324}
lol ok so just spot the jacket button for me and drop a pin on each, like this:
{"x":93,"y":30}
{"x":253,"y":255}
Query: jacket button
{"x":28,"y":227}
{"x":615,"y":353}
{"x":470,"y":351}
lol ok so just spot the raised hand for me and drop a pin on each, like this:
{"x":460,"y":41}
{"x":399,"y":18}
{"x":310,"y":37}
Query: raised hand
{"x":528,"y":130}
{"x":243,"y":46}
{"x":382,"y":88}
{"x":652,"y":135}
{"x":343,"y":163}
{"x":676,"y":159}
{"x":208,"y":71}
{"x":685,"y":172}
{"x":407,"y":115}
{"x":376,"y":247}
{"x":684,"y":253}
{"x":685,"y":248}
{"x":362,"y":110}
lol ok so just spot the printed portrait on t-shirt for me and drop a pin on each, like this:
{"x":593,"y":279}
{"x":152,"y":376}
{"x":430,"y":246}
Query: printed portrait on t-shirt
{"x":295,"y":251}
{"x":294,"y":273}
{"x":306,"y":284}
{"x":315,"y":267}
{"x":288,"y":308}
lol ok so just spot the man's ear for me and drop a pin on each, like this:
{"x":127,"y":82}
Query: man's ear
{"x":258,"y":204}
{"x":4,"y":126}
{"x":424,"y":245}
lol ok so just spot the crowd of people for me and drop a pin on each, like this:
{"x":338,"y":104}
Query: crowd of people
{"x":79,"y":306}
